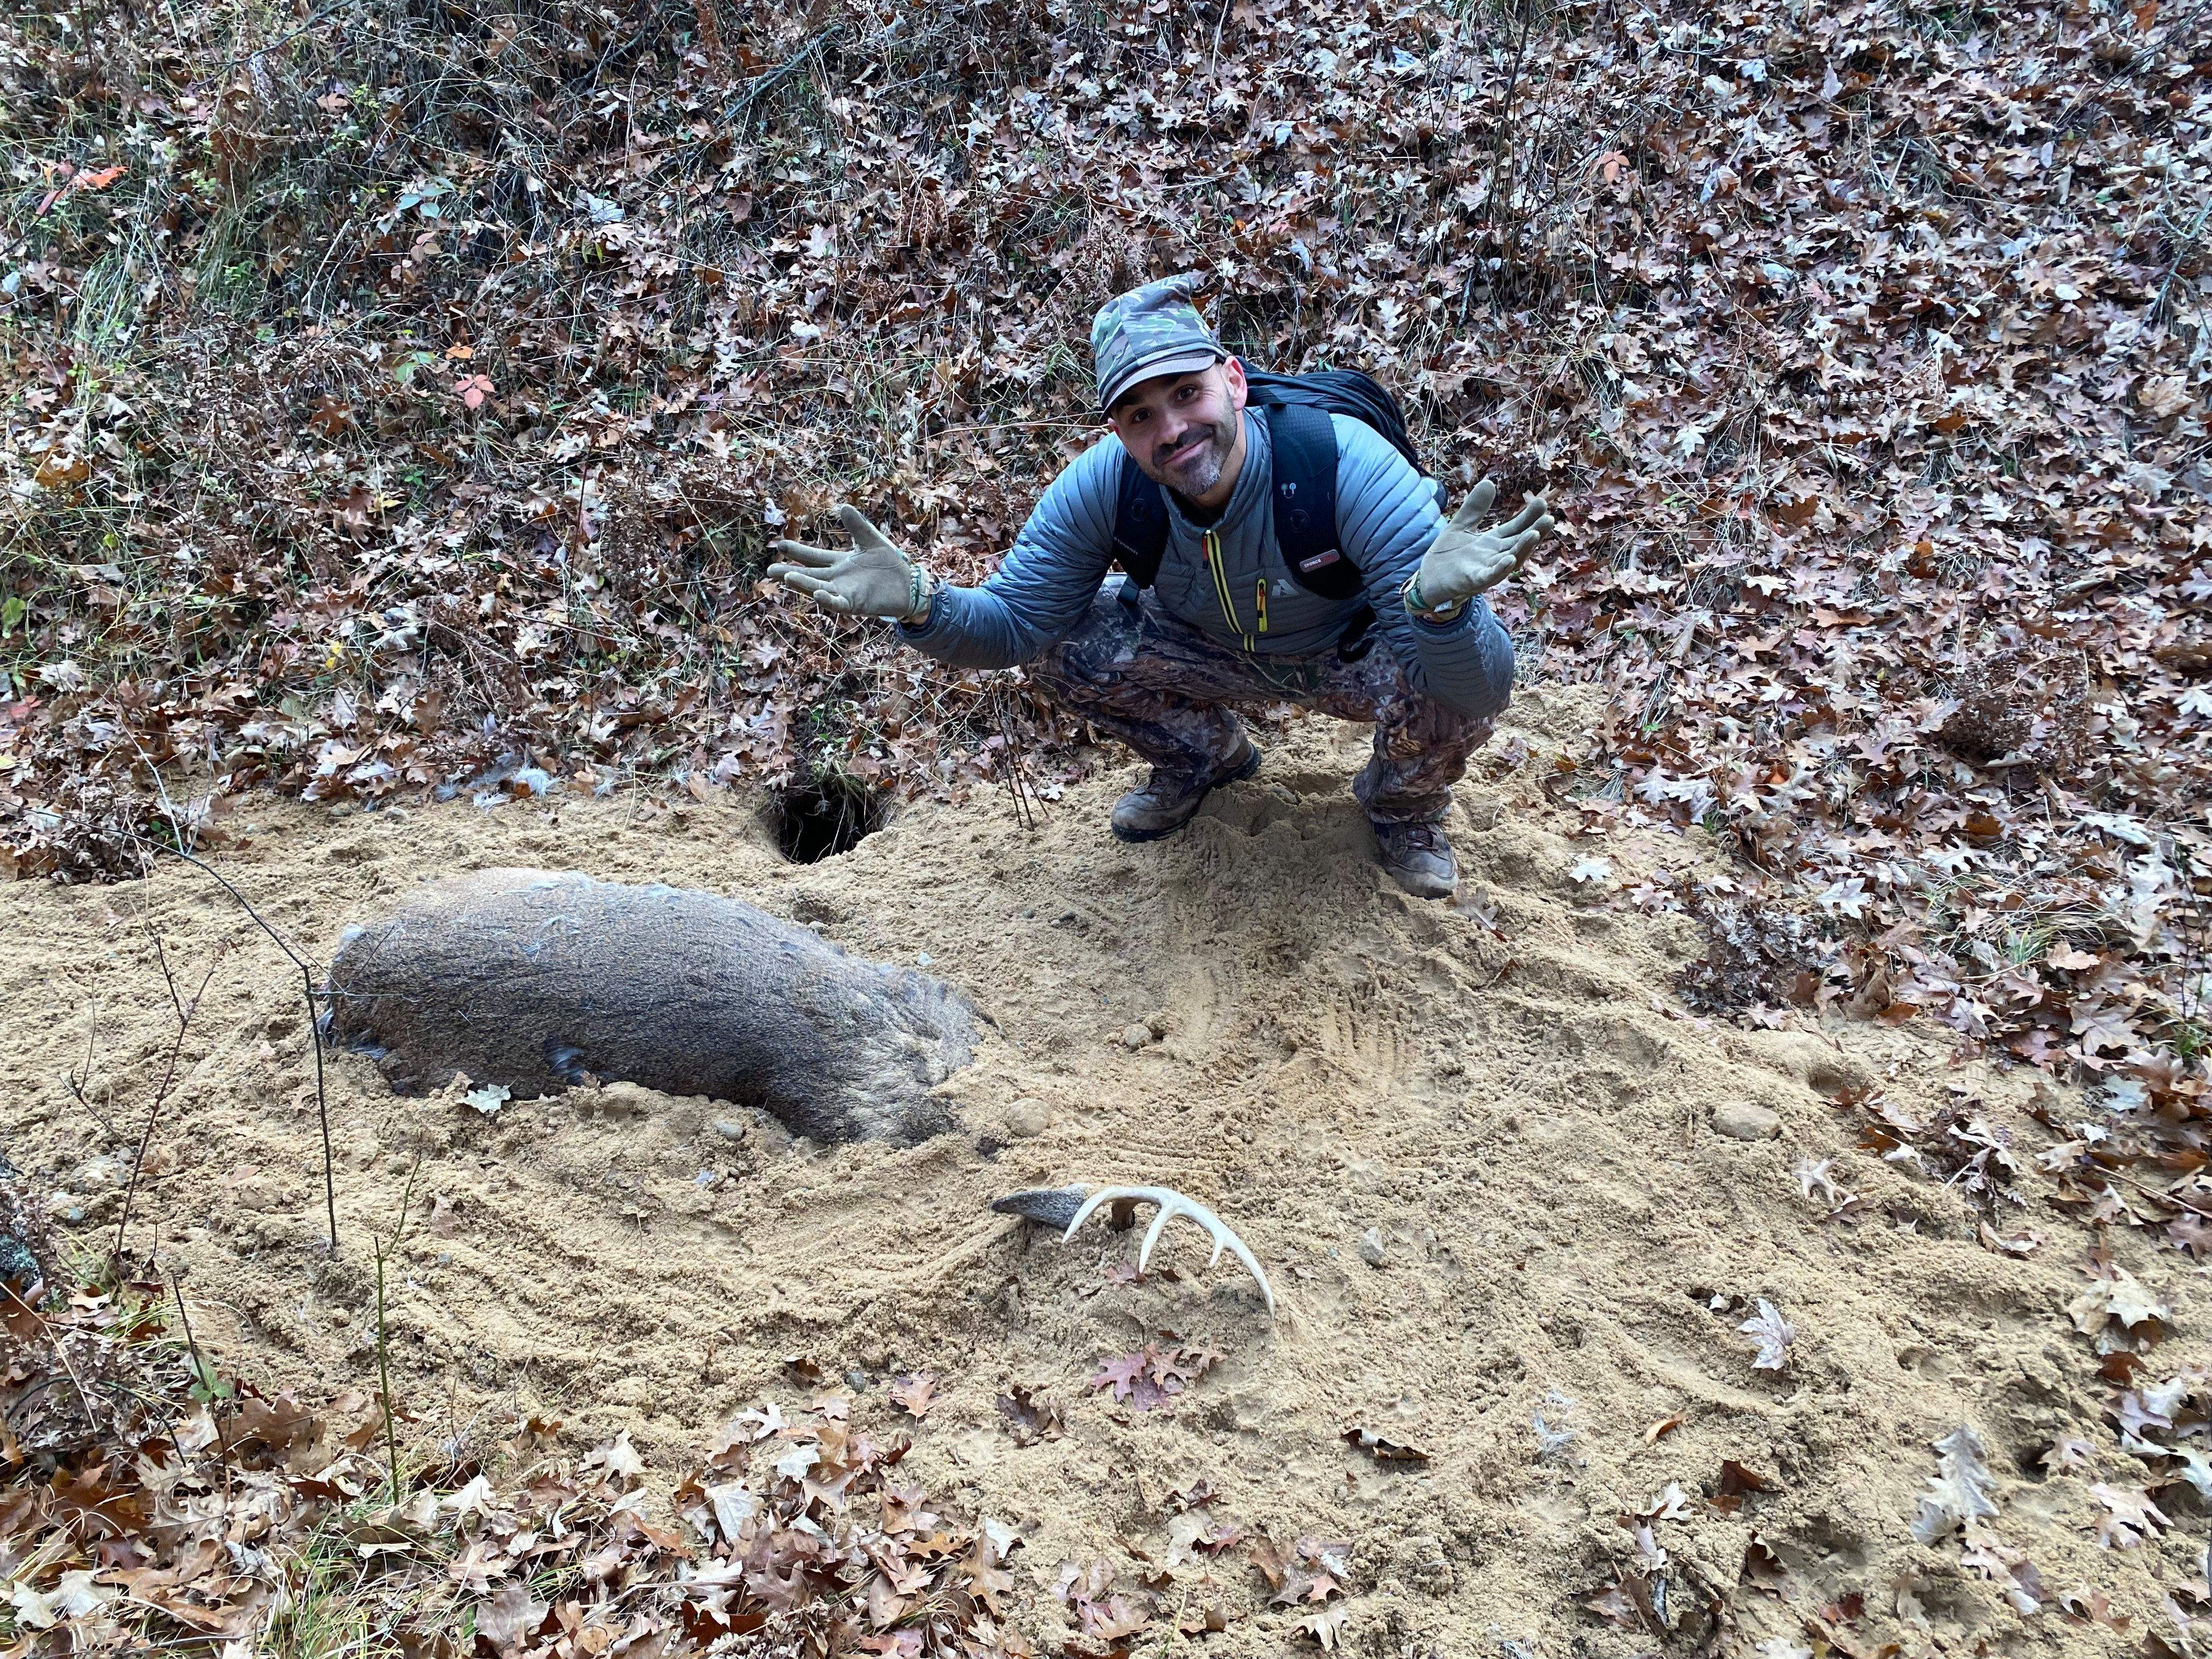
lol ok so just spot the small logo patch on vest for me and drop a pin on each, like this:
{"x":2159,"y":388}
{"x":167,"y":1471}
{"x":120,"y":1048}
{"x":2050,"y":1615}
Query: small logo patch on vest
{"x":1320,"y":561}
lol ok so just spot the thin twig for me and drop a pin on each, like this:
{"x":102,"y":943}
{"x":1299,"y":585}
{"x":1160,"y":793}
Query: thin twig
{"x":223,"y":71}
{"x":161,"y":956}
{"x":768,"y":81}
{"x":314,"y":1030}
{"x":185,"y":1012}
{"x":61,"y":1358}
{"x":2182,"y":246}
{"x":1017,"y":783}
{"x":2164,"y":1197}
{"x":1505,"y":150}
{"x":206,"y":1378}
{"x":383,"y":1354}
{"x":77,"y":1089}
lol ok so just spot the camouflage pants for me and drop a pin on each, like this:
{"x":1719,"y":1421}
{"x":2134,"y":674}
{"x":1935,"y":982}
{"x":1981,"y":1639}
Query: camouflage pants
{"x":1160,"y":685}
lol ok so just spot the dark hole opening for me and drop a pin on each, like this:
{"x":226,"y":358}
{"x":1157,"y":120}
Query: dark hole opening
{"x":819,"y":820}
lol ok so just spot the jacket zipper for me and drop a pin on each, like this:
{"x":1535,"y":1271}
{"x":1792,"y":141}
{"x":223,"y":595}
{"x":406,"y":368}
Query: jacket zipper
{"x":1212,"y":544}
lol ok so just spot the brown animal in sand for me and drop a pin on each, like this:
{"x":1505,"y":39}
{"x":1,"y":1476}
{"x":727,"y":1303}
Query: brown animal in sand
{"x":539,"y":981}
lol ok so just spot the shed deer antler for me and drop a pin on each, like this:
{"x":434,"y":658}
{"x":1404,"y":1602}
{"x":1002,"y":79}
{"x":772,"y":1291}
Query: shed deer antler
{"x":1069,"y":1207}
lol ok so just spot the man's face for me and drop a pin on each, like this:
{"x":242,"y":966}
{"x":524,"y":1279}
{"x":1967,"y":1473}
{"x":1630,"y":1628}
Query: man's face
{"x":1181,"y":428}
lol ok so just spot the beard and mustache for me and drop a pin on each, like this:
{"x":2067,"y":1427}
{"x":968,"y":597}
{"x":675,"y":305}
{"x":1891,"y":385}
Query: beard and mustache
{"x":1194,"y":476}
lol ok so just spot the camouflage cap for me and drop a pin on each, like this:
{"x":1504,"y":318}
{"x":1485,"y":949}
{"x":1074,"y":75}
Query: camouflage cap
{"x":1150,"y":331}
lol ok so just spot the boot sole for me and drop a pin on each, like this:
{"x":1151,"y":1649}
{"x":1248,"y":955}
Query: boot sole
{"x":1137,"y":837}
{"x":1421,"y":884}
{"x":1423,"y":890}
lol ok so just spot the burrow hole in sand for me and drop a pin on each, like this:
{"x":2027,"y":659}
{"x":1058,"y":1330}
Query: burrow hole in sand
{"x":820,"y":819}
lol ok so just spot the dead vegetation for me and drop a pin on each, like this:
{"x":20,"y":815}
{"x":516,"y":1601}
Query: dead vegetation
{"x":151,"y":1504}
{"x":1757,"y":957}
{"x":399,"y":398}
{"x":401,"y":401}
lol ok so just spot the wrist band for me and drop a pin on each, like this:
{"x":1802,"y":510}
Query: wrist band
{"x":1411,"y":594}
{"x":914,"y":600}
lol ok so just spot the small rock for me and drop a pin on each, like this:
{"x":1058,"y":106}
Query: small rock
{"x":98,"y":1175}
{"x":1371,"y":1250}
{"x":65,"y":1208}
{"x":730,"y":1129}
{"x":1136,"y":1036}
{"x":1028,"y":1116}
{"x":1740,"y":1120}
{"x":856,"y":1379}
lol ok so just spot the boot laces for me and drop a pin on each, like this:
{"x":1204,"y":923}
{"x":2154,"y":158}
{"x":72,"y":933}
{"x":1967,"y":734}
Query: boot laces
{"x":1418,"y":837}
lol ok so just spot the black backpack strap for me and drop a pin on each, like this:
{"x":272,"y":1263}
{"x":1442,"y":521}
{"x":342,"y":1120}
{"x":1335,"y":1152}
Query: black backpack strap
{"x":1140,"y":525}
{"x":1304,"y":446}
{"x":1357,"y":638}
{"x":1341,"y":392}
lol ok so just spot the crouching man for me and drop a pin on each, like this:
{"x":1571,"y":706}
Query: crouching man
{"x":1276,"y":549}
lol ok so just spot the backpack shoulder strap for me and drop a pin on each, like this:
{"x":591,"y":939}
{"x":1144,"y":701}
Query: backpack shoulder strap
{"x":1140,"y":525}
{"x":1304,"y":445}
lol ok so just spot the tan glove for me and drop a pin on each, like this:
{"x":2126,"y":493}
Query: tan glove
{"x":874,"y":579}
{"x":1464,"y":560}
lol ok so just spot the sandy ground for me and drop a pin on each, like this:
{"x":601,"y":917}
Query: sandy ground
{"x":1522,"y":1118}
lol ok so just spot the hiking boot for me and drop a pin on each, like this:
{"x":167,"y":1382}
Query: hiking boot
{"x":1418,"y":858}
{"x":1167,"y":802}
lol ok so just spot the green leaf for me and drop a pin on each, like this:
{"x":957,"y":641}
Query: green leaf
{"x":206,"y":1386}
{"x":412,"y":364}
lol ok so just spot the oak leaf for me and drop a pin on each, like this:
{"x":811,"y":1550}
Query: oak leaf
{"x":914,"y":1395}
{"x":1773,"y":1334}
{"x":1961,"y":1486}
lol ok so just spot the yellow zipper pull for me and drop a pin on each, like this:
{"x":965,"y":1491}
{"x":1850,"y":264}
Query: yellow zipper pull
{"x":1259,"y":602}
{"x":1211,"y":543}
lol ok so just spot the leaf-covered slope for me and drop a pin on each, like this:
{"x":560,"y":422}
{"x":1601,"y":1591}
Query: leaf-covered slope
{"x":405,"y":396}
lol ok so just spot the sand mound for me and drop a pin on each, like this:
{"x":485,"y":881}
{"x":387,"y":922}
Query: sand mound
{"x":1482,"y":1152}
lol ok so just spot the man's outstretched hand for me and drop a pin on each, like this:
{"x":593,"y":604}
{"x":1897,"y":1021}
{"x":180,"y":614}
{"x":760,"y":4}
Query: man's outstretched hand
{"x":874,"y":579}
{"x":1466,"y":560}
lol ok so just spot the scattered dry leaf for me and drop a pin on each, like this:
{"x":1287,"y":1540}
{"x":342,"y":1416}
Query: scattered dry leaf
{"x":1153,"y":1375}
{"x":2130,"y":1519}
{"x":1381,"y":1450}
{"x":1773,"y":1334}
{"x":1029,"y":1417}
{"x":1960,"y":1489}
{"x":1323,"y":1626}
{"x":914,"y":1395}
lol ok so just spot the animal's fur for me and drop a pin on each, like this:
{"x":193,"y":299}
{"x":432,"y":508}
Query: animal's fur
{"x":534,"y":979}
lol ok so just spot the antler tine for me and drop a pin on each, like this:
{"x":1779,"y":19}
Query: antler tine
{"x":1171,"y":1204}
{"x":1180,"y":1204}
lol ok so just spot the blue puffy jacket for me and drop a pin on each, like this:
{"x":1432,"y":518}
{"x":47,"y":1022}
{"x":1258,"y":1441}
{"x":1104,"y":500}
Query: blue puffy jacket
{"x":1386,"y":516}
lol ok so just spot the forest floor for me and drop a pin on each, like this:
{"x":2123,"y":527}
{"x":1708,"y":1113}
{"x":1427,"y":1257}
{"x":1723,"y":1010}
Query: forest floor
{"x":1657,"y":1319}
{"x":397,"y":402}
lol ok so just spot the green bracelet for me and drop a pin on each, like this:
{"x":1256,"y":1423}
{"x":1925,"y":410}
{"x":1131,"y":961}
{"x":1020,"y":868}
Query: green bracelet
{"x":1411,"y":594}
